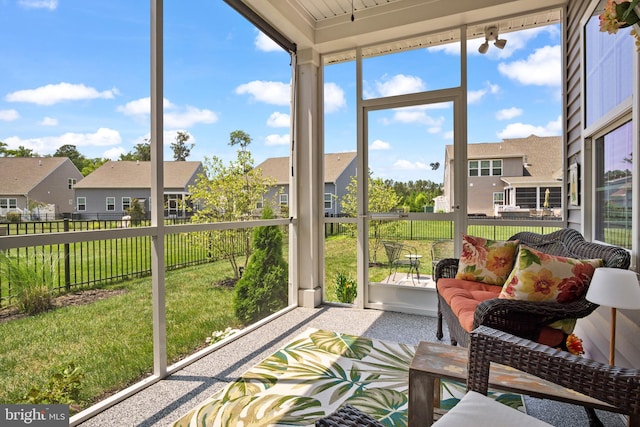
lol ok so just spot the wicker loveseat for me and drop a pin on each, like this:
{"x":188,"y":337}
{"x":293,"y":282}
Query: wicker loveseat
{"x":527,"y":319}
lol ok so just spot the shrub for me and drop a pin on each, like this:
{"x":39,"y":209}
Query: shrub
{"x":263,"y":288}
{"x":63,"y":387}
{"x":14,"y":217}
{"x":346,"y":288}
{"x":31,"y":279}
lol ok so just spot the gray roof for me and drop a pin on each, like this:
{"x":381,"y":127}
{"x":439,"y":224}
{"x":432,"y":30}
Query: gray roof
{"x":133,"y":174}
{"x":19,"y":175}
{"x":334,"y":165}
{"x":542,"y":154}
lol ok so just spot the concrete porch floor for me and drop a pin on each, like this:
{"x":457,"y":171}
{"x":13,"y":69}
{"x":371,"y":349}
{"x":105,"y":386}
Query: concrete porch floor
{"x":164,"y":402}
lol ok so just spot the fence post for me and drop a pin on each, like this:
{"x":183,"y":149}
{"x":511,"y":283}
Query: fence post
{"x":67,"y":263}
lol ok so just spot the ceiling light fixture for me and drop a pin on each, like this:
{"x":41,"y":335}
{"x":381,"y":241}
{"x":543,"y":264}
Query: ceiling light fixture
{"x":491,"y":34}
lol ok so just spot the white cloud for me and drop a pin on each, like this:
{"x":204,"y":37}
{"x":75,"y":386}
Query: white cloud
{"x":188,"y":116}
{"x":474,"y":96}
{"x":334,"y":98}
{"x":49,"y":144}
{"x":508,"y":113}
{"x":274,"y":139}
{"x":265,"y":44}
{"x":48,"y":121}
{"x":379,"y":144}
{"x":409,"y":165}
{"x":541,"y":68}
{"x":522,"y":130}
{"x":113,"y":153}
{"x":448,"y":135}
{"x":9,"y":115}
{"x":39,"y":4}
{"x":279,"y":120}
{"x":174,"y":116}
{"x":275,"y":93}
{"x":55,"y":93}
{"x":399,"y":85}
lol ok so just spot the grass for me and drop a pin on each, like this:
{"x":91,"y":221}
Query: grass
{"x":111,"y":339}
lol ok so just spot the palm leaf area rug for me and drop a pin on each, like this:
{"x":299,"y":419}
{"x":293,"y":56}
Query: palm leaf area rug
{"x":313,"y":376}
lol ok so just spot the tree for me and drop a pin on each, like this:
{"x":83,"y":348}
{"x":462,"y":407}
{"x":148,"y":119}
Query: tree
{"x":263,"y":288}
{"x":228,"y":193}
{"x":136,"y":211}
{"x":140,"y":152}
{"x":21,"y":151}
{"x":181,"y":150}
{"x":91,"y":165}
{"x":73,"y":154}
{"x":3,"y":149}
{"x":382,"y":198}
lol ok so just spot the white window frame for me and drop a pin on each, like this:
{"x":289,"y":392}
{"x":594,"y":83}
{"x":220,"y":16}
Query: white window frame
{"x":328,"y":198}
{"x":81,"y":204}
{"x":126,"y":203}
{"x":600,"y":126}
{"x":9,"y":203}
{"x":284,"y":199}
{"x":492,"y":166}
{"x":71,"y":183}
{"x":112,"y":204}
{"x":501,"y":201}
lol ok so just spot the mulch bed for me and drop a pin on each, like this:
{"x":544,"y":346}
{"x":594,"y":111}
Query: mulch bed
{"x":75,"y":298}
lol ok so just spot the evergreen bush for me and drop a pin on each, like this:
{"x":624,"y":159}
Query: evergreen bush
{"x":263,"y":288}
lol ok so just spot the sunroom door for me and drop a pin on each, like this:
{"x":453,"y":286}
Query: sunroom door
{"x":412,"y":214}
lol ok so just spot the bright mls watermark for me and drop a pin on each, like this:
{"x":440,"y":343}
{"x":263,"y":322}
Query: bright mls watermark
{"x":34,"y":415}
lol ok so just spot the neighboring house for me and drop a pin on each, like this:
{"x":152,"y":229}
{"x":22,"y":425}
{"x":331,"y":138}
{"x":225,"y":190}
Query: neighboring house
{"x":108,"y":191}
{"x":510,"y":178}
{"x":338,"y":170}
{"x":37,"y":187}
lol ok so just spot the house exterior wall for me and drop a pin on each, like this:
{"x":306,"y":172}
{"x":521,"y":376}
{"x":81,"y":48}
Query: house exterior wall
{"x":594,"y":329}
{"x":96,"y":198}
{"x":55,"y":188}
{"x":340,"y":187}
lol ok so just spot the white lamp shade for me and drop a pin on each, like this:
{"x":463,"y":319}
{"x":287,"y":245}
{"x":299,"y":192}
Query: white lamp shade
{"x":614,"y":287}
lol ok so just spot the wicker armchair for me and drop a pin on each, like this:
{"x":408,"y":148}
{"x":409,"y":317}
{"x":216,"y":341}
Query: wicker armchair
{"x":619,"y":387}
{"x":525,"y":318}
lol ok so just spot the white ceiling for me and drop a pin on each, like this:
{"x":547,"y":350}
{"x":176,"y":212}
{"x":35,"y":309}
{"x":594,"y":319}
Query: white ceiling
{"x":382,"y":26}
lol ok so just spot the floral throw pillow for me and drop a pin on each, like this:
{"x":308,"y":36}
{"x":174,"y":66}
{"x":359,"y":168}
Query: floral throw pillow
{"x":537,"y":276}
{"x":487,"y":261}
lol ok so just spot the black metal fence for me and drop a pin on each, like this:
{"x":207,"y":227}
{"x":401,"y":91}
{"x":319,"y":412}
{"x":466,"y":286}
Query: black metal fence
{"x":98,"y":262}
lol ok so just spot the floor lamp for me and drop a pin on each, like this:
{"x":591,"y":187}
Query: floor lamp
{"x":615,"y":288}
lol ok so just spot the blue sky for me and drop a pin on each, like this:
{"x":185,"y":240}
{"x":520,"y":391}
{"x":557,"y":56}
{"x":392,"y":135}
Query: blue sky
{"x":77,"y":72}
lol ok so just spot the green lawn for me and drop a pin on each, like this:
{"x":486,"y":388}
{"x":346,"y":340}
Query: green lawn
{"x":111,"y":339}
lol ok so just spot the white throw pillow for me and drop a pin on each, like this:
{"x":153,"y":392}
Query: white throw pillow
{"x":478,"y":410}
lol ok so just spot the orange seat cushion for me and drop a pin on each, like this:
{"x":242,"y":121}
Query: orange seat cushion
{"x":463,"y":296}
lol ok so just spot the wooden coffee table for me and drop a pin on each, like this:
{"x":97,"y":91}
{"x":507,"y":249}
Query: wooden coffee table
{"x":434,"y":361}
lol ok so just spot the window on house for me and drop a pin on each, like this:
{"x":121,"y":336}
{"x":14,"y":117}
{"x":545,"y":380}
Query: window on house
{"x":126,"y":203}
{"x":496,"y":167}
{"x":473,"y":168}
{"x":9,"y":203}
{"x":608,"y":116}
{"x":260,"y":204}
{"x":81,"y":203}
{"x":613,"y":186}
{"x":328,"y":201}
{"x":71,"y":183}
{"x":284,"y":199}
{"x":111,"y":203}
{"x":485,"y":167}
{"x":498,"y":198}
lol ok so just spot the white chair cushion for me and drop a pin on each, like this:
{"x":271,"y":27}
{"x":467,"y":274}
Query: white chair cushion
{"x":477,"y":410}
